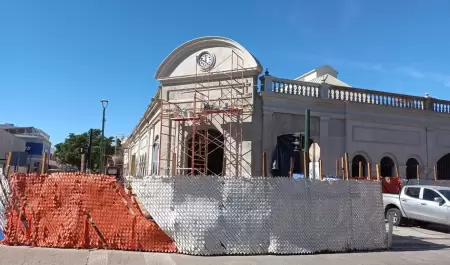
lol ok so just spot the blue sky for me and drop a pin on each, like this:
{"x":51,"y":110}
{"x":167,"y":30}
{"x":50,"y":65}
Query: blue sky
{"x":59,"y":58}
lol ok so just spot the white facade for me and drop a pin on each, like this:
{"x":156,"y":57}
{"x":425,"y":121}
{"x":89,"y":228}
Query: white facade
{"x":36,"y":141}
{"x":10,"y":143}
{"x":371,"y":124}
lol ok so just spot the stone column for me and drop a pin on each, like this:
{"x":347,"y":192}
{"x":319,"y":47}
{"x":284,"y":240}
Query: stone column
{"x":266,"y":83}
{"x":426,"y":171}
{"x":268,"y":140}
{"x":324,"y":90}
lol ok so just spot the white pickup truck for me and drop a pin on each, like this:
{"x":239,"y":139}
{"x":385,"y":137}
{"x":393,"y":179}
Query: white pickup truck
{"x":426,"y":204}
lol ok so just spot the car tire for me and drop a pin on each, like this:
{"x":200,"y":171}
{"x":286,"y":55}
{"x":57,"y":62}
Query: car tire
{"x":397,"y":216}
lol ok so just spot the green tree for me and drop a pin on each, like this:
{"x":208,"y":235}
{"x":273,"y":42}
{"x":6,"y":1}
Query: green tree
{"x":69,"y":152}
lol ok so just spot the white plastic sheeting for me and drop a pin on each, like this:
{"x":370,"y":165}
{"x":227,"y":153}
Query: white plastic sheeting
{"x":4,"y":194}
{"x":217,"y":216}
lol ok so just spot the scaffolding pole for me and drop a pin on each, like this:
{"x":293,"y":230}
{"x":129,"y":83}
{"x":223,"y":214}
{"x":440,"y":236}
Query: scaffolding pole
{"x":206,"y":130}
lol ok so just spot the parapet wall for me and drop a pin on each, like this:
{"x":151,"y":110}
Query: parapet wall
{"x":217,"y":216}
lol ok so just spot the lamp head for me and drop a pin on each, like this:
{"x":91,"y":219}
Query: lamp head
{"x":104,"y":103}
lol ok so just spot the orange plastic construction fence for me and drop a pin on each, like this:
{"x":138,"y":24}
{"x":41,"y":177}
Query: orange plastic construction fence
{"x":75,"y":210}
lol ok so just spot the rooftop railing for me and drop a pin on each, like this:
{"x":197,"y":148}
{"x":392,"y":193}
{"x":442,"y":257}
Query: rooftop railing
{"x":350,"y":94}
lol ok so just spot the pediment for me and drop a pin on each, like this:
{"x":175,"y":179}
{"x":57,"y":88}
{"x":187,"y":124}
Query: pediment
{"x":229,"y":56}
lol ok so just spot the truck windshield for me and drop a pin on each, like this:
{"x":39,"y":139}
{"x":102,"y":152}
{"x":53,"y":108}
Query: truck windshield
{"x":446,"y":193}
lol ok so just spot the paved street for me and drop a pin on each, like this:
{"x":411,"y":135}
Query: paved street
{"x":411,"y":245}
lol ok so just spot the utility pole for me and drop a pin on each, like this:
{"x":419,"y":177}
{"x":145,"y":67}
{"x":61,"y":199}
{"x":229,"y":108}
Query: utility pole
{"x":102,"y":143}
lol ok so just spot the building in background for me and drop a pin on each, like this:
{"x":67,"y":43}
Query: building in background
{"x":36,"y":142}
{"x":9,"y":143}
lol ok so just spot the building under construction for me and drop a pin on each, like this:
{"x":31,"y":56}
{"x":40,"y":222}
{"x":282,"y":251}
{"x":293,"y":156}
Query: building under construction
{"x":202,"y":128}
{"x":197,"y":120}
{"x":216,"y":113}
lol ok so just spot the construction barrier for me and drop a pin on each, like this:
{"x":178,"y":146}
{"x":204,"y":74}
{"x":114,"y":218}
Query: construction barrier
{"x":4,"y":199}
{"x":78,"y":211}
{"x":217,"y":216}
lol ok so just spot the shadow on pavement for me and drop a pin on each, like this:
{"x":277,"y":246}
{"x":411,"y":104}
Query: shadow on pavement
{"x":438,"y":228}
{"x":422,"y":243}
{"x":411,"y":243}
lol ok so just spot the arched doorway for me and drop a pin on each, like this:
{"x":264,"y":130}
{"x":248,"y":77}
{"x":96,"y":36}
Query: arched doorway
{"x":355,"y":165}
{"x":411,"y":168}
{"x":443,"y":167}
{"x":208,"y":153}
{"x":387,"y":166}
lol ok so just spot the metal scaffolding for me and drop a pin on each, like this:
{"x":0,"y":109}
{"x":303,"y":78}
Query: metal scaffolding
{"x":203,"y":135}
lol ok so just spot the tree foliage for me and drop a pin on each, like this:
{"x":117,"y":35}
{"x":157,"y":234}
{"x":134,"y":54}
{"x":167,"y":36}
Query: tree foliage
{"x":69,"y":152}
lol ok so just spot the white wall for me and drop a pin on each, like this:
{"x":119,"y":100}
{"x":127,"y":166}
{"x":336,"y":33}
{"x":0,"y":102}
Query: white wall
{"x":10,"y":143}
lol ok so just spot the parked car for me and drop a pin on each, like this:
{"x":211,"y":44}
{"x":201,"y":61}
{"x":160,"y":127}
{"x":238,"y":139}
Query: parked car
{"x":426,"y":204}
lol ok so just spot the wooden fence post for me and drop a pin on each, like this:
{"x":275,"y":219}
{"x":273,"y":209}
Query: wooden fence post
{"x":360,"y":173}
{"x":320,"y":170}
{"x":291,"y":167}
{"x":264,"y":164}
{"x":8,"y":164}
{"x":378,"y":171}
{"x":174,"y":164}
{"x":418,"y":172}
{"x":44,"y":159}
{"x":435,"y":174}
{"x":346,"y":165}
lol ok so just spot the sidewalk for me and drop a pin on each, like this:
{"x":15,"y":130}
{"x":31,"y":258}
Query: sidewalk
{"x":411,"y":246}
{"x":29,"y":256}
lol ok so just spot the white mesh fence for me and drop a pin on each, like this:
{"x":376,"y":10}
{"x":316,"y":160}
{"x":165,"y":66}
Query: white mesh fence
{"x":4,"y":195}
{"x":216,"y":216}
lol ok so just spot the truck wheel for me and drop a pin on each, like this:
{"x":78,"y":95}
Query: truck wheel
{"x":396,"y":216}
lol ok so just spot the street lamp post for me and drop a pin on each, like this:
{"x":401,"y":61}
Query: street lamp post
{"x":102,"y":144}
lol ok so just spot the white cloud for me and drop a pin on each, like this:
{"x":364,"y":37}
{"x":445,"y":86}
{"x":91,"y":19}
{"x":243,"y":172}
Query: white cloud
{"x":411,"y":72}
{"x":404,"y":70}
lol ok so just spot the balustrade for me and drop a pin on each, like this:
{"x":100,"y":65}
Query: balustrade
{"x":294,"y":87}
{"x":356,"y":95}
{"x":376,"y":98}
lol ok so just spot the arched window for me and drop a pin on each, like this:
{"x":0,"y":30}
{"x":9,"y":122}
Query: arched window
{"x":411,"y":168}
{"x":155,"y":155}
{"x":355,"y":165}
{"x":387,"y":167}
{"x":443,"y":167}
